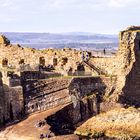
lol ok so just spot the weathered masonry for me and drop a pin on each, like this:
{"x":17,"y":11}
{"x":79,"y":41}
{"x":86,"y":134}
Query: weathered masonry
{"x":29,"y":90}
{"x":38,"y":94}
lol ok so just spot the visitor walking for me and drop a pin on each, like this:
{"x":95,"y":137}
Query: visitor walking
{"x":87,"y":56}
{"x":83,"y":56}
{"x":104,"y":51}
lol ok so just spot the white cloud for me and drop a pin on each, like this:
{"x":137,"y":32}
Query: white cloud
{"x":88,"y":4}
{"x":115,"y":3}
{"x":4,"y":3}
{"x":67,"y":3}
{"x":58,"y":4}
{"x":63,"y":11}
{"x":123,"y":3}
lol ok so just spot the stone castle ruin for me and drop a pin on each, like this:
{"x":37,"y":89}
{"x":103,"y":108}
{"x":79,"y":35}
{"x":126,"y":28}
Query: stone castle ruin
{"x":36,"y":80}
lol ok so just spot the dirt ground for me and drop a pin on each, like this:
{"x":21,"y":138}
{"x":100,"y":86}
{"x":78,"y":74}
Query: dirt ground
{"x":27,"y":130}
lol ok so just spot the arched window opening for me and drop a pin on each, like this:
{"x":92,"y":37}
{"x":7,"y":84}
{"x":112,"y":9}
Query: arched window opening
{"x":21,"y":61}
{"x":54,"y":61}
{"x":64,"y":60}
{"x":5,"y":62}
{"x":42,"y":61}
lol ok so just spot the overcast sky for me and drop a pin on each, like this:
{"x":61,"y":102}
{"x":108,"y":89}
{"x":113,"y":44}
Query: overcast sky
{"x":96,"y":16}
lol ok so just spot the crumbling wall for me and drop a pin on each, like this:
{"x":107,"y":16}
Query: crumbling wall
{"x":18,"y":58}
{"x":12,"y":102}
{"x":127,"y":87}
{"x":86,"y":95}
{"x":15,"y":54}
{"x":84,"y":85}
{"x":2,"y":100}
{"x":40,"y":95}
{"x":125,"y":66}
{"x":4,"y":40}
{"x":130,"y":69}
{"x":45,"y":94}
{"x":46,"y":102}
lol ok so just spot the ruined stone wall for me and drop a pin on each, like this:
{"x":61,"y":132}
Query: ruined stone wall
{"x":45,"y":94}
{"x":2,"y":100}
{"x":46,"y":102}
{"x":15,"y":53}
{"x":127,"y":69}
{"x":12,"y":102}
{"x":125,"y":66}
{"x":4,"y":40}
{"x":86,"y":95}
{"x":85,"y":85}
{"x":121,"y":63}
{"x":17,"y":58}
{"x":38,"y":95}
{"x":130,"y":68}
{"x":83,"y":92}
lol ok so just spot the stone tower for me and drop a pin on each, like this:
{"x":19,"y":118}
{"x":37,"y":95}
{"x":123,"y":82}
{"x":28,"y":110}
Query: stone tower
{"x":129,"y":61}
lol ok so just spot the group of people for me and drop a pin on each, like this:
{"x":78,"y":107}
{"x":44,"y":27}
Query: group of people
{"x":85,"y":57}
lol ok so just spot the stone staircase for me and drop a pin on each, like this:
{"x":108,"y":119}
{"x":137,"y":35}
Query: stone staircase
{"x":92,"y":67}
